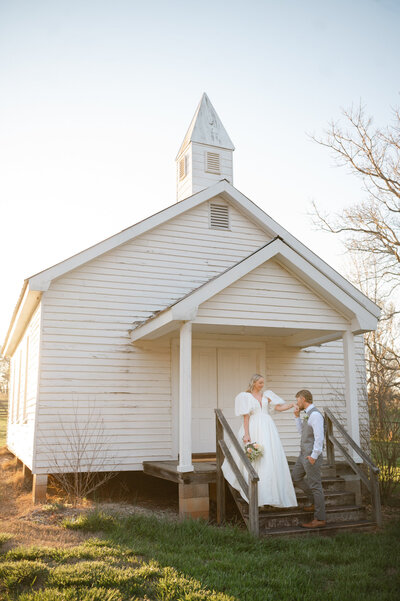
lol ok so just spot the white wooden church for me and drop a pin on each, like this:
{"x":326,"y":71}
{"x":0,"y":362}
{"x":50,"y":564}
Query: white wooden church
{"x":155,"y":327}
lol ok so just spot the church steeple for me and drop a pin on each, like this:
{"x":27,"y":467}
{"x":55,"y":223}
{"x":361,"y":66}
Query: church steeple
{"x":205,"y":155}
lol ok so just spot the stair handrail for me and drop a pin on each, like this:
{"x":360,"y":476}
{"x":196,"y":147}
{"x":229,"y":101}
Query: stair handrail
{"x":250,"y":489}
{"x":371,"y":482}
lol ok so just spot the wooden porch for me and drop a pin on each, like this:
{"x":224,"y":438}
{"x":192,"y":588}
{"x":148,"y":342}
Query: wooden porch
{"x":204,"y":470}
{"x":194,"y":495}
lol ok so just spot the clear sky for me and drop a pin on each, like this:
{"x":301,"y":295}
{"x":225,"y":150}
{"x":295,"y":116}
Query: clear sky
{"x":96,"y":96}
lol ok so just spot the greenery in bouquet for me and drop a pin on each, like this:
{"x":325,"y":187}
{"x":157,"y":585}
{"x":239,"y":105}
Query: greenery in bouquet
{"x":253,"y":450}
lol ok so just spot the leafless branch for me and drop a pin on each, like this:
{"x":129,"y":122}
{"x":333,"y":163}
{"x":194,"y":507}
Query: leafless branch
{"x":81,"y":459}
{"x":373,"y":154}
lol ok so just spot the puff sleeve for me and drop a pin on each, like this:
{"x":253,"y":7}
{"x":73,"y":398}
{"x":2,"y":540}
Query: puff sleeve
{"x":243,"y":404}
{"x":275,"y":399}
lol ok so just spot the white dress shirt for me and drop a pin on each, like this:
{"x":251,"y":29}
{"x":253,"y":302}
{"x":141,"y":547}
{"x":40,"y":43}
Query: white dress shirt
{"x":316,"y":421}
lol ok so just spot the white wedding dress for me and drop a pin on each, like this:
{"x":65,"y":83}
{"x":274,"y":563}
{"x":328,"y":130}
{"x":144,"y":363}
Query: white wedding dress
{"x":275,"y":486}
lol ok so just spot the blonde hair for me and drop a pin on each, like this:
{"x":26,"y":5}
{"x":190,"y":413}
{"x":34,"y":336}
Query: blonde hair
{"x":253,"y":380}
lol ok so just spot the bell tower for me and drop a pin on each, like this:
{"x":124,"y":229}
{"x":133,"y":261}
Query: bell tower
{"x":205,"y":156}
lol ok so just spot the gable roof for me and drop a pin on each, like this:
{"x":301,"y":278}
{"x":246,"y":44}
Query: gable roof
{"x":185,"y":309}
{"x":41,"y":281}
{"x":206,"y":128}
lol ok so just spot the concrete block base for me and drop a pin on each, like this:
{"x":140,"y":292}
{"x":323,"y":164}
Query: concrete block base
{"x":194,"y":501}
{"x":39,"y":488}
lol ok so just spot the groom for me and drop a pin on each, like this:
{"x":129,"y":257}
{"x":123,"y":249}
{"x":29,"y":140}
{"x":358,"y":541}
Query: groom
{"x":306,"y":473}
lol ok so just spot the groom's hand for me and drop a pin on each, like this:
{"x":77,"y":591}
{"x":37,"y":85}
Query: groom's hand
{"x":311,"y":460}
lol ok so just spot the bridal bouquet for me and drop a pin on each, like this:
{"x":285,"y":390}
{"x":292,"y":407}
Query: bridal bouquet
{"x":253,"y":450}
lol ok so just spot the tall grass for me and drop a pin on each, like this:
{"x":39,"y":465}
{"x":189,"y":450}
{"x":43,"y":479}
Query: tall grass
{"x":141,"y":557}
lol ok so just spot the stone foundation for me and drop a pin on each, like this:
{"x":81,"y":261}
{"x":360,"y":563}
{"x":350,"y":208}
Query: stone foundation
{"x":194,"y":501}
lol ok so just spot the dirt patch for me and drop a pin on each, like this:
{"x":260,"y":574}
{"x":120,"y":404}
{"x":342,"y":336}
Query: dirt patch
{"x":41,"y":525}
{"x":16,"y":507}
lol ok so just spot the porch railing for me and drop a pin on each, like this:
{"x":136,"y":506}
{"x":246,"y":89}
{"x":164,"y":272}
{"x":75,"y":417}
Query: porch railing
{"x":369,"y":475}
{"x":250,"y":489}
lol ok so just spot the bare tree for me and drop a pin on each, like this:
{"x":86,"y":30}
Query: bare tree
{"x":382,"y":356}
{"x":383,"y":377}
{"x":371,"y":231}
{"x":81,"y":459}
{"x":373,"y":154}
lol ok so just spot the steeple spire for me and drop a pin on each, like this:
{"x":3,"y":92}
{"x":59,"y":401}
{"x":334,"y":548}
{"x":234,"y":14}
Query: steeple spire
{"x":205,"y":155}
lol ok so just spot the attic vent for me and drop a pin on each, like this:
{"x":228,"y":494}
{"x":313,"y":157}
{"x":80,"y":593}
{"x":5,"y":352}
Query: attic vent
{"x":219,"y":216}
{"x":213,"y":162}
{"x":183,"y":167}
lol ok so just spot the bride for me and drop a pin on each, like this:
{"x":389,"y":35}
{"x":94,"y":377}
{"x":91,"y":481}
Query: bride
{"x":275,"y":486}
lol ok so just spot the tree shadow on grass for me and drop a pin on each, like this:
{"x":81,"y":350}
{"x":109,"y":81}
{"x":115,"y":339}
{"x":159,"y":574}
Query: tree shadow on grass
{"x":233,"y":563}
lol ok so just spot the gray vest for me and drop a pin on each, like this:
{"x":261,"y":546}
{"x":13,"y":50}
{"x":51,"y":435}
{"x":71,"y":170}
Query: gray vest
{"x":307,"y":435}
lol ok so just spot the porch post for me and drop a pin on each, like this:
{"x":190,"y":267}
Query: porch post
{"x":185,"y":398}
{"x":350,"y":371}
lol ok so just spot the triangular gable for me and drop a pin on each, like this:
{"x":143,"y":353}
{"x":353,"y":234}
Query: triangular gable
{"x":272,"y":296}
{"x":42,"y":280}
{"x":359,"y":319}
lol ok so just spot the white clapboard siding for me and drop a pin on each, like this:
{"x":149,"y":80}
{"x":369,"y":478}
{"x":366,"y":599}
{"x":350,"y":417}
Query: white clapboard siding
{"x":262,"y":297}
{"x":201,"y":179}
{"x":318,"y":369}
{"x":89,"y":366}
{"x":23,"y":392}
{"x":198,"y":178}
{"x":184,"y":185}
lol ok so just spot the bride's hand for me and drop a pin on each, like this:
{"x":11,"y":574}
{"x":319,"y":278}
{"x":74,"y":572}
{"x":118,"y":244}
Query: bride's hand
{"x":246,"y":439}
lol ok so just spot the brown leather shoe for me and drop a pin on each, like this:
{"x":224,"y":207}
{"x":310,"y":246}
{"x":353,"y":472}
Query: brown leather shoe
{"x":314,"y":524}
{"x":308,"y":507}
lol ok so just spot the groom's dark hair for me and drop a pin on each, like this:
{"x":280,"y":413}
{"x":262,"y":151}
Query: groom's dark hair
{"x":306,"y":394}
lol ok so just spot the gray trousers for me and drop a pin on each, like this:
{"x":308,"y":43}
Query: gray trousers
{"x":308,"y":478}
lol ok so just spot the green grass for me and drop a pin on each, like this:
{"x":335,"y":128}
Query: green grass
{"x":4,"y":538}
{"x":3,"y":430}
{"x":142,"y":558}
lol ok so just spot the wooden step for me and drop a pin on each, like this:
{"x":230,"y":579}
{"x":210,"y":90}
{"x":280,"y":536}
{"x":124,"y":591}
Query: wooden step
{"x":204,"y":457}
{"x":274,"y":517}
{"x":330,"y":528}
{"x":333,"y":497}
{"x":296,"y":517}
{"x":326,"y":469}
{"x":334,"y":484}
{"x":342,"y":513}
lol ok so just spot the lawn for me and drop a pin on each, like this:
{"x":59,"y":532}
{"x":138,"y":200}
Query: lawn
{"x":144,"y":558}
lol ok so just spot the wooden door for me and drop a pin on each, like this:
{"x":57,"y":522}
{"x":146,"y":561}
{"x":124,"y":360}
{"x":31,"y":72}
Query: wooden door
{"x":235,"y":368}
{"x":218,"y":375}
{"x":204,"y":399}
